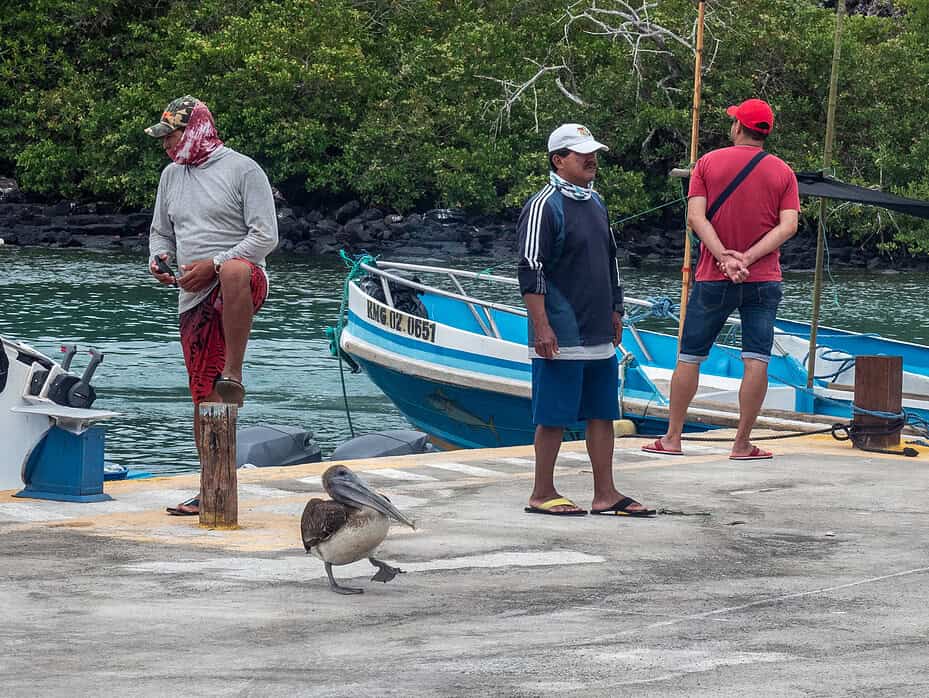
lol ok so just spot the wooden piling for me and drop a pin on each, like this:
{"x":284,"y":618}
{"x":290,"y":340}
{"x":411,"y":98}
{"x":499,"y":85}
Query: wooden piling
{"x":219,"y":501}
{"x":879,"y":388}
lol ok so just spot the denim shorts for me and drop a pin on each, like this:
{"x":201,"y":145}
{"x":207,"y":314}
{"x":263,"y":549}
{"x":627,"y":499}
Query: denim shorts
{"x":711,"y":303}
{"x":568,"y":391}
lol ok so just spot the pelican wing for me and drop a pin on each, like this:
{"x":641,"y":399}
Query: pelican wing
{"x":321,"y":518}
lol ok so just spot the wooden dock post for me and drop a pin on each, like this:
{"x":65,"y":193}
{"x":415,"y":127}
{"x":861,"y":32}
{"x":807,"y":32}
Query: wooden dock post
{"x":219,"y":500}
{"x":878,"y":387}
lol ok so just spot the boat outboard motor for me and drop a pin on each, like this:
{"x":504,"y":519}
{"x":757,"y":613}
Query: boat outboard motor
{"x":41,"y":375}
{"x":49,"y":449}
{"x":393,"y":442}
{"x":69,"y":352}
{"x":71,"y":391}
{"x":270,"y":445}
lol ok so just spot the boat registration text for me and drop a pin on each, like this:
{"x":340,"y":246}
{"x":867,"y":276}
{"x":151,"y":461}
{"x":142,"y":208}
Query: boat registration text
{"x":413,"y":326}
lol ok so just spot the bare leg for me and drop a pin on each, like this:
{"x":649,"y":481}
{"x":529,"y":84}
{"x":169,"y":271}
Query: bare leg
{"x":684,"y":384}
{"x":751,"y":396}
{"x":238,"y":310}
{"x":384,"y":571}
{"x":600,"y":450}
{"x":547,"y":444}
{"x":336,"y":587}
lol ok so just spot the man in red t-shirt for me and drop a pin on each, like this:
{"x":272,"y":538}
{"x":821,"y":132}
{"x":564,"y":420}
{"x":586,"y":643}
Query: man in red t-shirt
{"x":739,"y":267}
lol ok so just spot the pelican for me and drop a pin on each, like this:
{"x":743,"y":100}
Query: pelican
{"x":350,"y":526}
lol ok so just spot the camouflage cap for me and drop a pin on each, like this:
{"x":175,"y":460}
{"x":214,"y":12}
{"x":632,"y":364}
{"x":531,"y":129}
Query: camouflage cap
{"x":175,"y":116}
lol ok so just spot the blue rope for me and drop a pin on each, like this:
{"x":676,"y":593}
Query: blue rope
{"x":680,"y":200}
{"x":845,"y":361}
{"x":828,"y":268}
{"x":355,"y":270}
{"x":335,"y":333}
{"x":918,"y":423}
{"x":661,"y":308}
{"x":913,"y":420}
{"x":878,"y":413}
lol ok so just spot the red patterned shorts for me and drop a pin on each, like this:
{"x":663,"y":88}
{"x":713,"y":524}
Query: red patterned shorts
{"x":202,"y":335}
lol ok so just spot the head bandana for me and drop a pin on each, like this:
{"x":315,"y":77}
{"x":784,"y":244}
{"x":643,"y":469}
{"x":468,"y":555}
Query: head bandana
{"x":570,"y":190}
{"x":199,"y":140}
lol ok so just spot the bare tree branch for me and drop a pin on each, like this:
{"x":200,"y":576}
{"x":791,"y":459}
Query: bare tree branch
{"x":573,"y":97}
{"x":630,"y":22}
{"x":514,"y":91}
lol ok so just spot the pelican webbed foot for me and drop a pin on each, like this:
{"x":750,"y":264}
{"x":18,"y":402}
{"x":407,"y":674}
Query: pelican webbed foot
{"x":384,"y":571}
{"x":337,"y":588}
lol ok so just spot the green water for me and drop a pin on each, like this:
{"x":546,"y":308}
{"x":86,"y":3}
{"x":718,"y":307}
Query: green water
{"x":109,"y":301}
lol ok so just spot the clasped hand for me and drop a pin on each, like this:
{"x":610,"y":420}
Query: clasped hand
{"x":734,"y":265}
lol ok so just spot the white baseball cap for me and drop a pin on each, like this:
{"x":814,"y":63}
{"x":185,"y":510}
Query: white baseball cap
{"x":573,"y":137}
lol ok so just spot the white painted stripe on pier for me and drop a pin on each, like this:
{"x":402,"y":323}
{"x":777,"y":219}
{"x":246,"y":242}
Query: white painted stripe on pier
{"x":158,"y":493}
{"x":296,"y":507}
{"x":298,"y":568}
{"x":472,"y":470}
{"x":28,"y":512}
{"x":702,"y":448}
{"x":263,"y":492}
{"x":312,"y":480}
{"x":514,"y":461}
{"x":573,"y":455}
{"x":394,"y":474}
{"x":42,"y":510}
{"x":659,"y":456}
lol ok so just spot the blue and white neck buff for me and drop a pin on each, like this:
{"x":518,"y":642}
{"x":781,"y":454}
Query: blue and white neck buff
{"x":570,"y":190}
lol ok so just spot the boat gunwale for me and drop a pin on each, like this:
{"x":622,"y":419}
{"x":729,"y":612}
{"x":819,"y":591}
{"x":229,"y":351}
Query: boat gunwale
{"x":426,"y":288}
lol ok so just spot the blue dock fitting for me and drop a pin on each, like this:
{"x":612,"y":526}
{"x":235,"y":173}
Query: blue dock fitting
{"x":66,"y":467}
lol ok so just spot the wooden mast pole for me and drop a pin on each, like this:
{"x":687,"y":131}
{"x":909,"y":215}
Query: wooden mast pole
{"x":827,"y":164}
{"x":694,"y":144}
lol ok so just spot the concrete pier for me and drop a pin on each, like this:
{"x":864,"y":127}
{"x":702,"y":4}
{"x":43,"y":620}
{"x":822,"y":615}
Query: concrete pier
{"x":806,"y":575}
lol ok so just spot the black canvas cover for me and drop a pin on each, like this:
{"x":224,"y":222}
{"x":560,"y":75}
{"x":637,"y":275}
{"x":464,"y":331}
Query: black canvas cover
{"x":819,"y":184}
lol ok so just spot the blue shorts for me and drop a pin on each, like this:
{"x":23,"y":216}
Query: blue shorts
{"x":565,"y":391}
{"x":711,"y":303}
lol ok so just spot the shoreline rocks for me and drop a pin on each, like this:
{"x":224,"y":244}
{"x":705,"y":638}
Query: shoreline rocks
{"x":437,"y":233}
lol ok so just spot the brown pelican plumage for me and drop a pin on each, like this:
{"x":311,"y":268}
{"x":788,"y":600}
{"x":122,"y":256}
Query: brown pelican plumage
{"x":350,"y":526}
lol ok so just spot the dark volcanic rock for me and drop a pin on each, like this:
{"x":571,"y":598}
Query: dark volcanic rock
{"x":9,"y":191}
{"x":327,"y":225}
{"x":347,"y":211}
{"x":98,"y":242}
{"x":115,"y":228}
{"x":438,"y":233}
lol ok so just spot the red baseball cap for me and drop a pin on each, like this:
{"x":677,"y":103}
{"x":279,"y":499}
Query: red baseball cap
{"x":755,"y":114}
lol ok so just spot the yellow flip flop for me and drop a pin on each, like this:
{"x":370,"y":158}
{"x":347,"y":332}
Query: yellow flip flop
{"x":546,"y":508}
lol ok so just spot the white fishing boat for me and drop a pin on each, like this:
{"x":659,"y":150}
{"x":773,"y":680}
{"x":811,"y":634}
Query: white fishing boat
{"x":457,"y":367}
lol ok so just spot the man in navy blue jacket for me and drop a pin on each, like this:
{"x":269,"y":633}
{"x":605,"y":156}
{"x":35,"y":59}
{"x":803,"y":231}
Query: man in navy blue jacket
{"x":573,"y":292}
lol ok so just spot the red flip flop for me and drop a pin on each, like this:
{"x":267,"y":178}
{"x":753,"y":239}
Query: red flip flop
{"x":755,"y":454}
{"x":657,"y":447}
{"x":191,"y":507}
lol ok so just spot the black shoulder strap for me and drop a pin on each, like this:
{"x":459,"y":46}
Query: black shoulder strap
{"x":734,"y":184}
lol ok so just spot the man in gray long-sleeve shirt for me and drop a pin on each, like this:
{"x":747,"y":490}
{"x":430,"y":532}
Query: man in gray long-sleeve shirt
{"x":214,"y":215}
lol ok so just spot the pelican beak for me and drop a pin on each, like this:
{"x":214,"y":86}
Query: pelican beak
{"x":351,"y":489}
